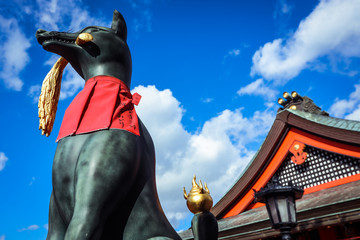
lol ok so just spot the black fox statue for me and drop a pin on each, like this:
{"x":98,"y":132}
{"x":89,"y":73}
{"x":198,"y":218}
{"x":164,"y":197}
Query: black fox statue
{"x":104,"y":180}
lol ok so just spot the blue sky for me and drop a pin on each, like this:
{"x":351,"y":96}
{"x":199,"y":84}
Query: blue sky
{"x":210,"y":73}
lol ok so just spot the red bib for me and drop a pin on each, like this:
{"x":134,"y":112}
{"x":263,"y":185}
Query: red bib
{"x":105,"y":102}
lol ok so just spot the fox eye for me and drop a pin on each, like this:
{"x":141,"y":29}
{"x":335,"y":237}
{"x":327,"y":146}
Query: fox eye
{"x":93,"y":30}
{"x":90,"y":29}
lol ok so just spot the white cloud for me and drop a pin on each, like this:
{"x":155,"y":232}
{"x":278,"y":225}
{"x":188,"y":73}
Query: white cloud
{"x":143,"y":23}
{"x":52,"y":60}
{"x":332,"y":28}
{"x":34,"y":92}
{"x":3,"y":160}
{"x":258,"y":88}
{"x":29,"y":228}
{"x":14,"y":55}
{"x":53,"y":15}
{"x":355,"y":115}
{"x":81,"y":18}
{"x":48,"y":17}
{"x":142,"y":15}
{"x":282,"y":8}
{"x":207,"y":100}
{"x":32,"y":181}
{"x":348,"y":108}
{"x":217,"y":153}
{"x":234,"y":52}
{"x":2,"y":237}
{"x":340,"y":107}
{"x":71,"y":83}
{"x":164,"y":113}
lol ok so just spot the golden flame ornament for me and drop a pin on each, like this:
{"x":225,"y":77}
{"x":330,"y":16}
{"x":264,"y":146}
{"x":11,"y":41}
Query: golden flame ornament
{"x":50,"y":90}
{"x":199,"y":199}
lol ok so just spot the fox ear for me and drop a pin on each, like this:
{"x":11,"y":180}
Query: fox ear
{"x":118,"y":25}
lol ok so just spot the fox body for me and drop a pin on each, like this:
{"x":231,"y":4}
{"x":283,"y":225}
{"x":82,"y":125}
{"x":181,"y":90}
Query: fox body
{"x":104,"y":181}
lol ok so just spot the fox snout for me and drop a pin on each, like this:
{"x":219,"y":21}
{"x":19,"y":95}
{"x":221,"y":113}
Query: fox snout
{"x":43,"y":36}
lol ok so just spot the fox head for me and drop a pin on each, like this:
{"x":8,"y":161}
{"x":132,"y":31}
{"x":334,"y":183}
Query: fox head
{"x":106,"y":54}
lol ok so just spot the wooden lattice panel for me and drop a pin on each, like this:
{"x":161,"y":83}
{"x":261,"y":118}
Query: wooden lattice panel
{"x":320,"y":167}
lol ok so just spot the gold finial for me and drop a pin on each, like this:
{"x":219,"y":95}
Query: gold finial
{"x":287,"y":96}
{"x":83,"y":38}
{"x":294,"y":94}
{"x":281,"y":102}
{"x":292,"y":107}
{"x":199,"y":199}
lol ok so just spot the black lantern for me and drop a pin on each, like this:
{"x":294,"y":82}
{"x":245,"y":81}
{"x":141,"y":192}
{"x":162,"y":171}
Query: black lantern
{"x":280,"y":204}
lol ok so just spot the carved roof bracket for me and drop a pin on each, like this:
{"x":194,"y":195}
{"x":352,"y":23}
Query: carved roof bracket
{"x":296,"y":102}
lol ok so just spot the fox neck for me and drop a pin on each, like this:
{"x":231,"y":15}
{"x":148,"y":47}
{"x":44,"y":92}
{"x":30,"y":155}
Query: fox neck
{"x":109,"y":69}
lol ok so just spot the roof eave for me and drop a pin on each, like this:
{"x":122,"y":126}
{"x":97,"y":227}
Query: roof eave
{"x":327,"y":127}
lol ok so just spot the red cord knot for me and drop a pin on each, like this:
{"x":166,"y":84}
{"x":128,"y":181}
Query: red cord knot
{"x":136,"y":98}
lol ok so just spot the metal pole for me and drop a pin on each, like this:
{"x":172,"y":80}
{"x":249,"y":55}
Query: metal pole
{"x":285,"y":233}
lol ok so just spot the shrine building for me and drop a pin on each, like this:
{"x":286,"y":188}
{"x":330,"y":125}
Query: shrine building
{"x":308,"y":148}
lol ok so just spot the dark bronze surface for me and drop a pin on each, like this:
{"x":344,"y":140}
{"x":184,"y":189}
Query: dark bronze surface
{"x":204,"y":226}
{"x":103,"y":182}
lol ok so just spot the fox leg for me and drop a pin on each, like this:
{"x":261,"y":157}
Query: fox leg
{"x":57,"y":228}
{"x":105,"y":173}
